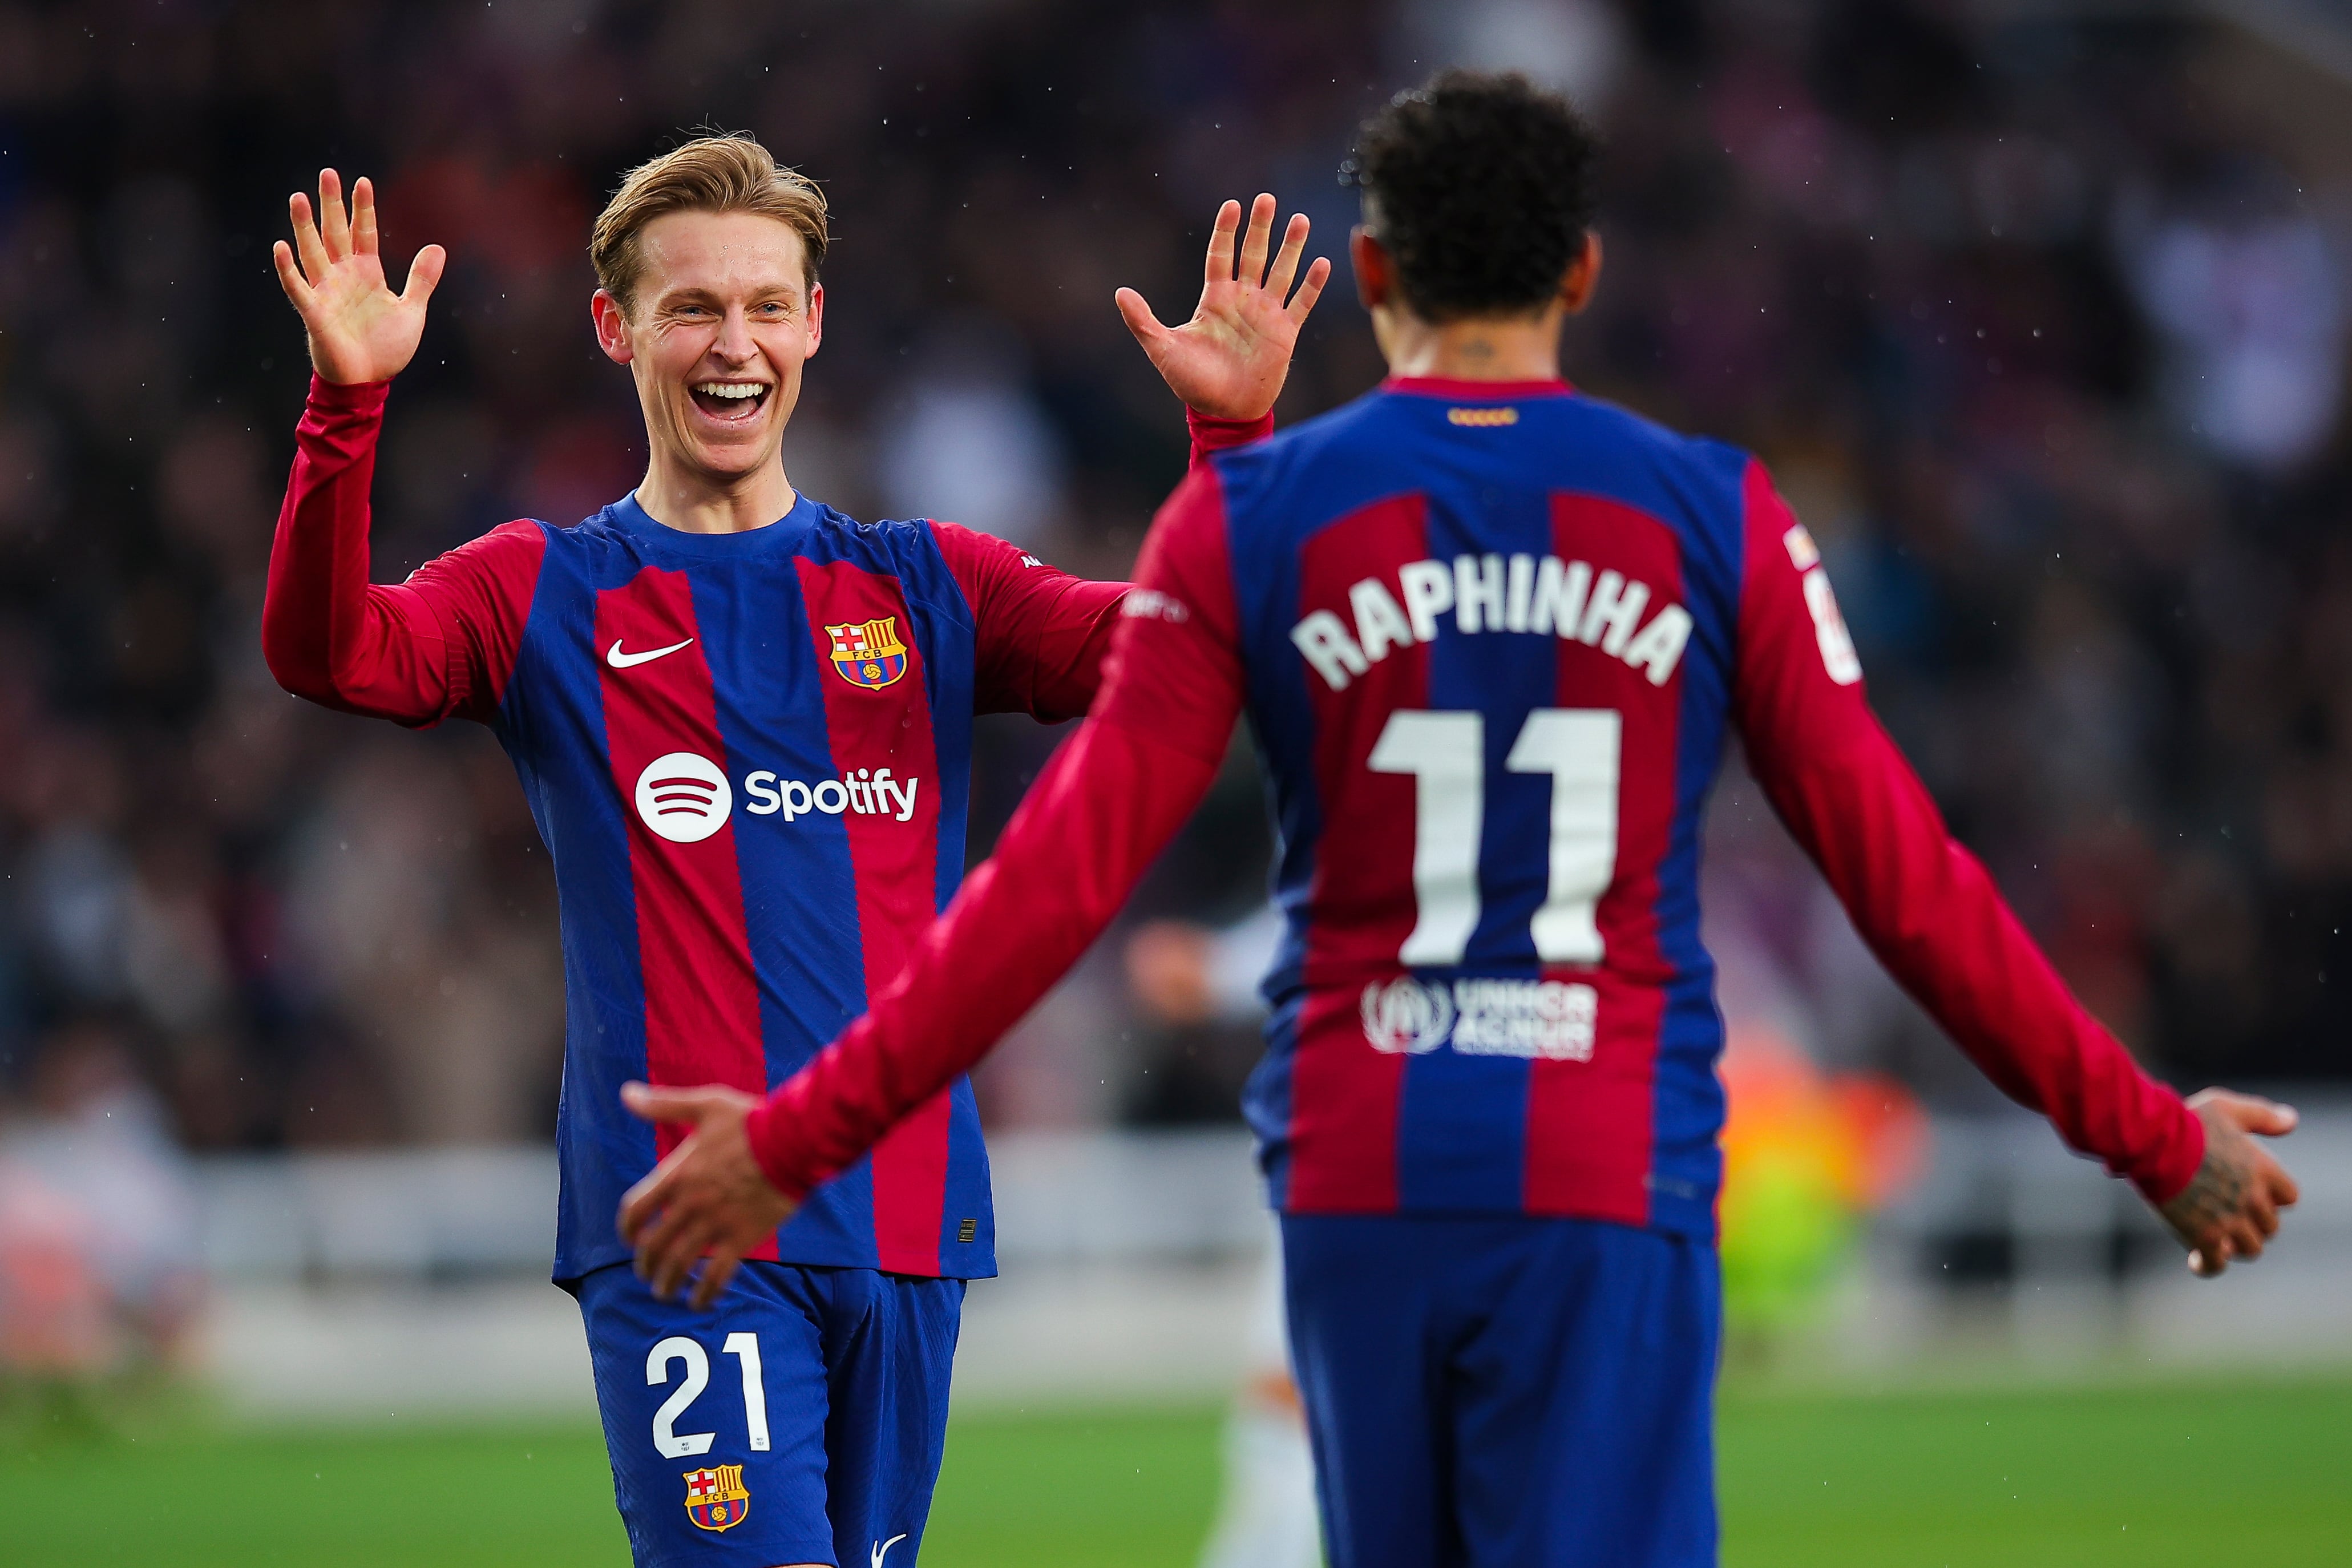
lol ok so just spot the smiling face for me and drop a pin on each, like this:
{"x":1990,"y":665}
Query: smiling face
{"x":720,"y":321}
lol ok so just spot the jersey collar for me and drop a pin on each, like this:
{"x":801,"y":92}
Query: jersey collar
{"x":1460,"y":391}
{"x":779,"y":534}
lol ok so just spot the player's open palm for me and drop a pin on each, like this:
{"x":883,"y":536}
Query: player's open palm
{"x":2231,"y":1207}
{"x":1230,"y":360}
{"x":360,"y":330}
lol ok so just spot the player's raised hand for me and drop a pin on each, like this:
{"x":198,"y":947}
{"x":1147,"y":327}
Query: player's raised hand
{"x":360,"y":330}
{"x":709,"y":1203}
{"x":2230,"y":1207}
{"x":1229,"y":361}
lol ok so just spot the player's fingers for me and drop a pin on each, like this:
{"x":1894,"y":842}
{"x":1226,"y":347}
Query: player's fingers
{"x":364,"y":235}
{"x":306,"y":243}
{"x":2281,"y":1186}
{"x":1257,"y":239}
{"x":425,"y":275}
{"x":686,"y":1105}
{"x":2249,"y":1112}
{"x":1285,"y":270}
{"x":681,"y":1252}
{"x":2260,"y":1211}
{"x":717,"y":1269}
{"x":1148,"y":328}
{"x":334,"y":224}
{"x":654,"y":1245}
{"x":290,"y":277}
{"x":647,"y":1217}
{"x":1220,"y":269}
{"x":2212,"y":1255}
{"x":1318,"y":273}
{"x":2266,"y":1117}
{"x":641,"y":1205}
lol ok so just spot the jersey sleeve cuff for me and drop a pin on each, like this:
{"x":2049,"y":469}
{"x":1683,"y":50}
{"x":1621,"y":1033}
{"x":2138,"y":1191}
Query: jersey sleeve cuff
{"x":1213,"y":434}
{"x":357,"y":397}
{"x":761,"y":1129}
{"x":2166,"y":1177}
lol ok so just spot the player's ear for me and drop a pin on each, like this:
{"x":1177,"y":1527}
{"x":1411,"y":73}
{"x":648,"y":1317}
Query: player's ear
{"x":815,"y":317}
{"x":611,"y":327}
{"x":1583,"y":274}
{"x":1375,"y":274}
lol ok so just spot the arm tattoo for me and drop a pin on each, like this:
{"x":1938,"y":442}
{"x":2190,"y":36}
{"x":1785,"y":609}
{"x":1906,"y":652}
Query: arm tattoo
{"x":2212,"y":1194}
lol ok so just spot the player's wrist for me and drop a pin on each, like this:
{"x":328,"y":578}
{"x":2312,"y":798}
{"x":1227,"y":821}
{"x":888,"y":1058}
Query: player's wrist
{"x":1215,"y":433}
{"x":2165,"y":1178}
{"x":351,"y":395}
{"x":761,"y":1129}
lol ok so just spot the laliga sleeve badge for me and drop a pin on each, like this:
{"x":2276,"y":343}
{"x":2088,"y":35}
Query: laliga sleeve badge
{"x":717,"y":1500}
{"x":868,"y":653}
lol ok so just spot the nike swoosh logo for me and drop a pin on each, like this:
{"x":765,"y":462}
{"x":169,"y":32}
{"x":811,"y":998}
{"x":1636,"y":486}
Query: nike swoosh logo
{"x":882,"y":1550}
{"x":619,"y":660}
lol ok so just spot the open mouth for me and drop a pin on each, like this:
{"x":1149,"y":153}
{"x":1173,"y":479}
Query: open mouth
{"x":734,"y":401}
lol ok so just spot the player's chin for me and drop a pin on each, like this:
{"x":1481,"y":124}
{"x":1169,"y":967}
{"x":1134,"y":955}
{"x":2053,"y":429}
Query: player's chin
{"x":730,"y":447}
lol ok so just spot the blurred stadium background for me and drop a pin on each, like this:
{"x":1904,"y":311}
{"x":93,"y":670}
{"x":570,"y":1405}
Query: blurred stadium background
{"x":2040,"y":309}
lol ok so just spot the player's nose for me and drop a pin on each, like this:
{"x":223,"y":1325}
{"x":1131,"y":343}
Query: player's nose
{"x":735,"y":344}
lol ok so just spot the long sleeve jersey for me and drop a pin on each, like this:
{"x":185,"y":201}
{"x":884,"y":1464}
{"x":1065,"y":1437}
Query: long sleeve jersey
{"x":1490,"y":639}
{"x":749,"y":755}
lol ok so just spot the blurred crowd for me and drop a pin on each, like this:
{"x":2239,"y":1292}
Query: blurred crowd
{"x":2043,"y":330}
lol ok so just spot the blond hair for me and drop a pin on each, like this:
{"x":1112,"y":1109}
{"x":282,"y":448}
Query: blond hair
{"x":710,"y":174}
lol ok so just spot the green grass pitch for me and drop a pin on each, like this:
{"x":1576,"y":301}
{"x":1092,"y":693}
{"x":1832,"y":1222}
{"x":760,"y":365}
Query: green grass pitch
{"x":2161,"y":1475}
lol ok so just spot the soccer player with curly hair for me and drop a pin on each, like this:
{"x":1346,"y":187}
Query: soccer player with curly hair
{"x":1492,"y":636}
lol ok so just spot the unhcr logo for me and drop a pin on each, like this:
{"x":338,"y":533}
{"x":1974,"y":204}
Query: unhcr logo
{"x":1538,"y":1020}
{"x":1406,"y":1017}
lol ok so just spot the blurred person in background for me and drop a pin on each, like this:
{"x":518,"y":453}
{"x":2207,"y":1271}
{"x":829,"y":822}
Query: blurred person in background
{"x":1493,"y":637}
{"x":742,"y":720}
{"x":99,"y":1270}
{"x":1184,"y":974}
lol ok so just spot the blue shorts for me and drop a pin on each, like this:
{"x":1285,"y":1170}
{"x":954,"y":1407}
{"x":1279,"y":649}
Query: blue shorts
{"x":1506,"y":1392}
{"x":799,"y":1420}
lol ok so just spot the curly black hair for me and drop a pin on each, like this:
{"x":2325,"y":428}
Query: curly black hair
{"x":1481,"y":188}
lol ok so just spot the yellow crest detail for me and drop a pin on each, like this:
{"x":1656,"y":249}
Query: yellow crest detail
{"x":868,"y":653}
{"x":1481,"y":417}
{"x":718,"y":1499}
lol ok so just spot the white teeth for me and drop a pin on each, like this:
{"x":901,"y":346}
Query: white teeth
{"x":732,"y":388}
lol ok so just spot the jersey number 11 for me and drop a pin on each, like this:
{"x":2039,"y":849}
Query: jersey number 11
{"x":1445,"y":753}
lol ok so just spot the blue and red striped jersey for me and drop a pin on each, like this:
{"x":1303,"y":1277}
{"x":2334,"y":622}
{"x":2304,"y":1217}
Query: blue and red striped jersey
{"x":1490,"y":635}
{"x":1491,"y":640}
{"x":750,"y":756}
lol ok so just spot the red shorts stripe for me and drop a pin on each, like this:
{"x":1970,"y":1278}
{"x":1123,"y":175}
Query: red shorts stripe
{"x":661,"y":731}
{"x":878,"y":723}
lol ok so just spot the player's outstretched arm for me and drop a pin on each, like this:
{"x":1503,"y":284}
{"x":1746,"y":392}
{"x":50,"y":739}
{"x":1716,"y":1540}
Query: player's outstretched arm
{"x":1931,"y":913}
{"x":1229,"y":361}
{"x":443,"y":642}
{"x":360,"y":331}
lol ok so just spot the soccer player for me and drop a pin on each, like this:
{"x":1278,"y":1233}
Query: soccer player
{"x":1492,"y":636}
{"x":743,"y":724}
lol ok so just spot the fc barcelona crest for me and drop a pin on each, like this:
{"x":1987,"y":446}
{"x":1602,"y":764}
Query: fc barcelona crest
{"x":868,"y":653}
{"x":717,"y":1500}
